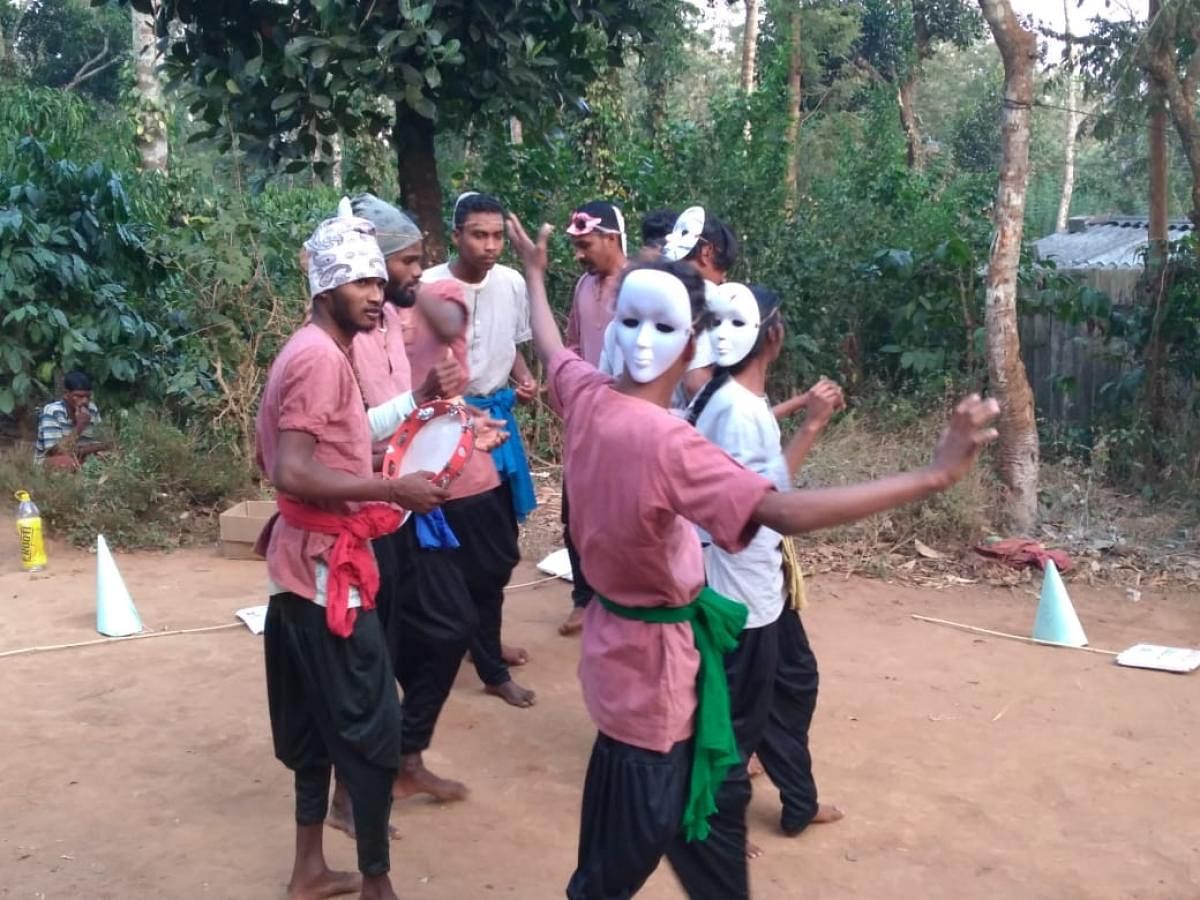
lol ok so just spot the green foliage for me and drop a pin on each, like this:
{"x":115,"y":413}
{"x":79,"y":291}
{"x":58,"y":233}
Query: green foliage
{"x":896,"y":35}
{"x":76,"y":280}
{"x":152,"y":492}
{"x":67,"y":125}
{"x":287,"y":76}
{"x":57,"y":42}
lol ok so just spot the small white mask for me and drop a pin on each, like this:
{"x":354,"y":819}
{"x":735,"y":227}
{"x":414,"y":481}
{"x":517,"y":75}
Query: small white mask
{"x":685,"y":235}
{"x":735,"y":322}
{"x":653,"y":322}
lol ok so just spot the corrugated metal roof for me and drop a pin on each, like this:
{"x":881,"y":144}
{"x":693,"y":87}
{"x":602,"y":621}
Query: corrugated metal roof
{"x":1106,"y":243}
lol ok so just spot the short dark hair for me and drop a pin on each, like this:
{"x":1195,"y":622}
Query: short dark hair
{"x":656,"y":225}
{"x":721,"y":238}
{"x":687,"y":274}
{"x":77,"y":381}
{"x":471,"y":203}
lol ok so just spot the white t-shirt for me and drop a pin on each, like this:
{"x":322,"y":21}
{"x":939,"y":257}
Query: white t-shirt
{"x":497,"y":320}
{"x":741,"y":423}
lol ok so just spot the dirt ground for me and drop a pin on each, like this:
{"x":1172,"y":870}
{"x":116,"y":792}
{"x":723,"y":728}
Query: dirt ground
{"x":969,"y":767}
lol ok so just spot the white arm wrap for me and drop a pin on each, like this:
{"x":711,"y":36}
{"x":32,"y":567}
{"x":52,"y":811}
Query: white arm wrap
{"x":386,"y":418}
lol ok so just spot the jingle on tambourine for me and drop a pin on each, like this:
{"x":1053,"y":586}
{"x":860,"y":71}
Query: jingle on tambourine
{"x":436,"y":437}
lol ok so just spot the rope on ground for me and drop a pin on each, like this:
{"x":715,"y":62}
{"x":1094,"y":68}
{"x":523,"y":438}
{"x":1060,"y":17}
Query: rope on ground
{"x":1012,"y":637}
{"x":47,"y":648}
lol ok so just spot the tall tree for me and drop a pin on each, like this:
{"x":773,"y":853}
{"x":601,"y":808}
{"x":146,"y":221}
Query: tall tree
{"x":750,"y":47}
{"x":1170,"y":54}
{"x":898,"y":36}
{"x":151,"y":110}
{"x":1017,"y":453}
{"x":795,"y":85}
{"x":287,"y":76}
{"x":1069,"y":140}
{"x":66,"y":44}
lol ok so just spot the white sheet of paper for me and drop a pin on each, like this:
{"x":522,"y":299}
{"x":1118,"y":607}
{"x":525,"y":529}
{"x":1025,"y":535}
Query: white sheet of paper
{"x":255,"y":617}
{"x":557,"y":564}
{"x":1165,"y":659}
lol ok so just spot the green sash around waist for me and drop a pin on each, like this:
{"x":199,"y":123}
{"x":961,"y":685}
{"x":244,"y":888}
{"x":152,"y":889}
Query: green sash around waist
{"x":717,"y":623}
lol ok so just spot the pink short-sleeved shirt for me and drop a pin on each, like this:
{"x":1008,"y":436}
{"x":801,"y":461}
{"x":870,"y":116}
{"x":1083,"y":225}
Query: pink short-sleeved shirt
{"x":641,"y":478}
{"x":425,"y":349}
{"x":592,"y":308}
{"x":311,"y":388}
{"x":382,"y":360}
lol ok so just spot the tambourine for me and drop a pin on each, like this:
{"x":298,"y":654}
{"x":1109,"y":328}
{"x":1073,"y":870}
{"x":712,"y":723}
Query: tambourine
{"x":436,"y":437}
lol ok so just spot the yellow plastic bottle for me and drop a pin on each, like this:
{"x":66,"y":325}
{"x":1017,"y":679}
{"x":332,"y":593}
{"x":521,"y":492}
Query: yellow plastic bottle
{"x":29,"y":529}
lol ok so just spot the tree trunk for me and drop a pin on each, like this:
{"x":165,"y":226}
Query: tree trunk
{"x":749,"y":46}
{"x":908,"y":120}
{"x":795,"y":99}
{"x":1016,"y":454}
{"x":337,"y":162}
{"x":416,"y":165}
{"x":151,"y":111}
{"x":1158,"y":249}
{"x":1180,"y":91}
{"x":1068,"y":188}
{"x":516,"y":131}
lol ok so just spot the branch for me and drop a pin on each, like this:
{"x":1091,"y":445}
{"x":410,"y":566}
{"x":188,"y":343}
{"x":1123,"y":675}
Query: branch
{"x":91,"y":69}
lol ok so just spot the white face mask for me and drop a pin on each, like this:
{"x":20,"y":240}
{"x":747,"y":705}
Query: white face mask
{"x":735,"y":322}
{"x":653,"y":323}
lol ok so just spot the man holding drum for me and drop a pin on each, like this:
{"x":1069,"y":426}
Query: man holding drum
{"x":329,"y":681}
{"x":425,"y":607}
{"x":491,"y":501}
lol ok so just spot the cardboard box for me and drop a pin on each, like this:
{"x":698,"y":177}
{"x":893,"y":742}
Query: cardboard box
{"x":241,"y":525}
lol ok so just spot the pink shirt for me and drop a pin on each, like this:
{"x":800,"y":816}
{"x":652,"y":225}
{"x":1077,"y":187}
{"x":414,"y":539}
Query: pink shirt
{"x":592,"y":308}
{"x":382,"y":364}
{"x":425,"y":349}
{"x":311,"y":388}
{"x":381,"y":359}
{"x":640,"y":479}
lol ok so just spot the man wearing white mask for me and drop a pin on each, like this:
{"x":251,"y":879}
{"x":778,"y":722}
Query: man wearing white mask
{"x":746,"y":329}
{"x":654,"y":636}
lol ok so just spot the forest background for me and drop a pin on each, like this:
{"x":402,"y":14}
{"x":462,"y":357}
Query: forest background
{"x":160,"y":164}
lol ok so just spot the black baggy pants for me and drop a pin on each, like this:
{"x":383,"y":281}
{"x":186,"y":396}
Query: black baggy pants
{"x":783,"y":750}
{"x":333,"y":702}
{"x":486,"y":527}
{"x":429,"y":618}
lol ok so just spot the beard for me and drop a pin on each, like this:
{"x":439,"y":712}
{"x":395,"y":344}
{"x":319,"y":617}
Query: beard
{"x":403,"y":297}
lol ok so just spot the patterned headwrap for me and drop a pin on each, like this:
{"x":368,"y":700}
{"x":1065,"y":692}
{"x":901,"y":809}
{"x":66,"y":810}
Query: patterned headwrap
{"x":341,"y":250}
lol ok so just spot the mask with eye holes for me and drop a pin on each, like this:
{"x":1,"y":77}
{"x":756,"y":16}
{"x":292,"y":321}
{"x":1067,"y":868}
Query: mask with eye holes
{"x":734,"y":323}
{"x":653,"y":322}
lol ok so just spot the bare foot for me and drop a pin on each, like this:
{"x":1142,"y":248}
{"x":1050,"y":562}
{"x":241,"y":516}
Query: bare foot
{"x":753,"y":851}
{"x":341,"y":815}
{"x":573,"y":623}
{"x":754,"y":768}
{"x":414,"y":778}
{"x":827,"y":813}
{"x":513,"y":656}
{"x":512,"y":693}
{"x":326,"y":883}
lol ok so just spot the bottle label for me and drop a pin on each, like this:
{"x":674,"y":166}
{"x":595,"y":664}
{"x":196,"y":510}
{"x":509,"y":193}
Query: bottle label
{"x":33,"y":549}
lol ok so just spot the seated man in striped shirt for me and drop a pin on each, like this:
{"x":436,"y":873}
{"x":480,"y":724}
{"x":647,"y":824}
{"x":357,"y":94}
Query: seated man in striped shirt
{"x":66,"y":427}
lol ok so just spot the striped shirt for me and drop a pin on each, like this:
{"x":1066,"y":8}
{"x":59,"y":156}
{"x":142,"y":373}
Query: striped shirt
{"x":55,"y":423}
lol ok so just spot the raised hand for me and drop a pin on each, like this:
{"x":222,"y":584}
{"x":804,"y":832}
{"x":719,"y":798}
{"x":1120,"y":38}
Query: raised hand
{"x":969,"y":432}
{"x":417,"y":492}
{"x":821,"y":401}
{"x":533,"y":255}
{"x":446,"y":378}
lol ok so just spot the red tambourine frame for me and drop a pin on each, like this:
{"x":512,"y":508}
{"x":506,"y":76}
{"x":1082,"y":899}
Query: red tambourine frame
{"x":418,"y":419}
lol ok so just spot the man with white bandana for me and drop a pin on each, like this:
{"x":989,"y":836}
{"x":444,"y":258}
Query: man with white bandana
{"x":330,"y":688}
